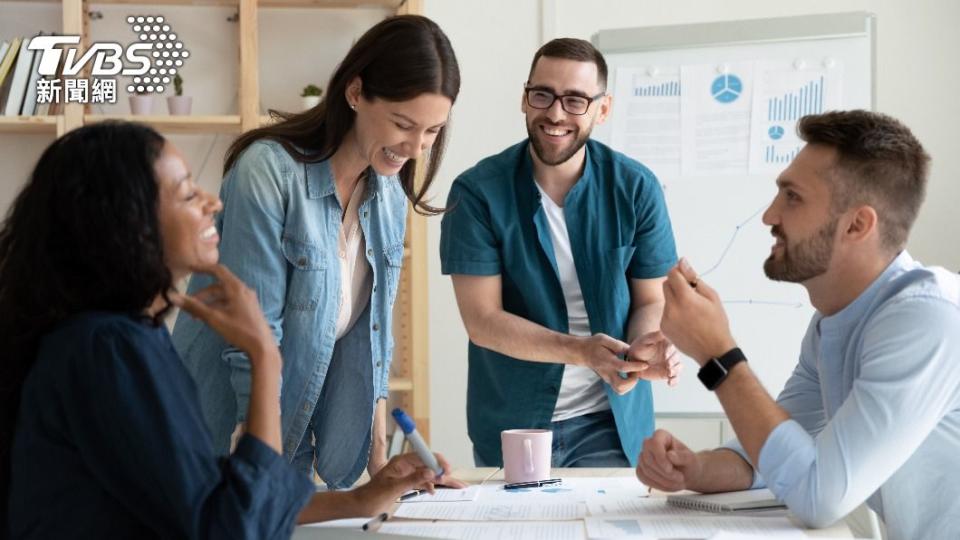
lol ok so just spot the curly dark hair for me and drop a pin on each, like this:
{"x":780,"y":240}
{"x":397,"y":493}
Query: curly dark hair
{"x":82,"y":235}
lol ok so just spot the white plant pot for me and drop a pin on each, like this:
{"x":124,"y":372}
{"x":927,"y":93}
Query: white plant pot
{"x":141,"y":105}
{"x":179,"y":105}
{"x":310,"y":102}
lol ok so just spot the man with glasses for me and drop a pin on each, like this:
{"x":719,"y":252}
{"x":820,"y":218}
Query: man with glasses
{"x":557,"y":249}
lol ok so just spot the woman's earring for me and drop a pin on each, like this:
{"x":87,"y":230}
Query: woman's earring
{"x":354,"y":107}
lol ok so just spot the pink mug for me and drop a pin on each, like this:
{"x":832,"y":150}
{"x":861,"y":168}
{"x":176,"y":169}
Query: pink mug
{"x":526,"y":454}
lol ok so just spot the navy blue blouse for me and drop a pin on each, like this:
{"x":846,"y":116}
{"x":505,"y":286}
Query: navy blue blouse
{"x":111,"y":443}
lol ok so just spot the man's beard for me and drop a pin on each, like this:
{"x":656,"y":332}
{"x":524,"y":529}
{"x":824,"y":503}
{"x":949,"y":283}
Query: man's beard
{"x":806,"y":260}
{"x":563,"y":154}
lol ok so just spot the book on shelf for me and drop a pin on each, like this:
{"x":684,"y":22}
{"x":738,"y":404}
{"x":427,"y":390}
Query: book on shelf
{"x":6,"y":65}
{"x":731,"y":501}
{"x":29,"y":107}
{"x":21,"y":75}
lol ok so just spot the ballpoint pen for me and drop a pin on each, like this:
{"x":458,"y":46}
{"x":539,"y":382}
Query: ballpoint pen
{"x":535,"y":483}
{"x":410,"y":494}
{"x":375,"y":522}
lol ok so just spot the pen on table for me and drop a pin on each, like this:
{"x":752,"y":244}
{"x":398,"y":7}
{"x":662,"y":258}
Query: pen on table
{"x":536,"y":483}
{"x":410,"y":494}
{"x":375,"y":522}
{"x":416,"y":441}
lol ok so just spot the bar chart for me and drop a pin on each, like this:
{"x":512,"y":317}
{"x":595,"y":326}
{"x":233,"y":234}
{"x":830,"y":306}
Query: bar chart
{"x":666,"y":89}
{"x":791,"y":106}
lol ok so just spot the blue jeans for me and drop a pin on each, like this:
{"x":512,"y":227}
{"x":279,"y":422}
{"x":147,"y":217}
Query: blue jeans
{"x":590,"y":440}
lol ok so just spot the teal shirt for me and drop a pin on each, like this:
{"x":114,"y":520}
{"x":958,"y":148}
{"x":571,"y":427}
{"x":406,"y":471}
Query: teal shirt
{"x":619,"y":229}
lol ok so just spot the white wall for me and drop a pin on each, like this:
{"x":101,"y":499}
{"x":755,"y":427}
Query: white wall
{"x":917,"y":81}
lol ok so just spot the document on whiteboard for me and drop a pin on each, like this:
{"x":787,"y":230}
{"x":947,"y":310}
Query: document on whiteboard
{"x":645,"y":123}
{"x":715,"y":108}
{"x":786,"y":91}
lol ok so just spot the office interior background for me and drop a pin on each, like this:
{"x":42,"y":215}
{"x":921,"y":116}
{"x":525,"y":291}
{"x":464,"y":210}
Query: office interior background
{"x":917,"y":81}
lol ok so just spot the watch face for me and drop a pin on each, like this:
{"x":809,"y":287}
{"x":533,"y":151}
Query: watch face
{"x":712,"y":374}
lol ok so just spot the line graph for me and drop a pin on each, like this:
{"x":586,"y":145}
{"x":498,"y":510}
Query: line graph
{"x":723,"y":256}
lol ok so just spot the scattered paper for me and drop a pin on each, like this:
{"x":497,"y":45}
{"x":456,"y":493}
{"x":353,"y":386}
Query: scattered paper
{"x":690,"y":526}
{"x":562,"y":530}
{"x":480,"y":511}
{"x":446,"y":495}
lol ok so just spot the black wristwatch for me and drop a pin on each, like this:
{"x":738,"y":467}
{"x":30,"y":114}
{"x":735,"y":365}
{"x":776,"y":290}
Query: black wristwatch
{"x":715,"y":371}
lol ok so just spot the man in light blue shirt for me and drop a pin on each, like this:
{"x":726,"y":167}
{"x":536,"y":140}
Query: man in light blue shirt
{"x":872,"y":410}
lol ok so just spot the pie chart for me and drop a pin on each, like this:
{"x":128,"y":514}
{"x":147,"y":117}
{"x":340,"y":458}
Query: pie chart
{"x":775,"y":132}
{"x":726,"y":88}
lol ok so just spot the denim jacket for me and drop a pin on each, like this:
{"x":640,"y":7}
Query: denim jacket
{"x":279,"y":234}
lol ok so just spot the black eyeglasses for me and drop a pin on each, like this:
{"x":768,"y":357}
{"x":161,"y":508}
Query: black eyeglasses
{"x":539,"y":98}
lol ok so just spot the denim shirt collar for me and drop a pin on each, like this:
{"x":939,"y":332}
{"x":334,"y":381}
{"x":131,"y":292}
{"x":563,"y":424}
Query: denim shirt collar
{"x":319,"y":178}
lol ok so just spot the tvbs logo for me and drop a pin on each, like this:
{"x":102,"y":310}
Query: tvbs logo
{"x":152,"y":60}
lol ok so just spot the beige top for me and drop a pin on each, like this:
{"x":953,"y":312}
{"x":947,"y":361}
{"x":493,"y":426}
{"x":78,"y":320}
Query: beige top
{"x":356,"y":278}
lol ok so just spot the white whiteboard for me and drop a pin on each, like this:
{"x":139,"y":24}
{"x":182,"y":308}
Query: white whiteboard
{"x":717,"y":220}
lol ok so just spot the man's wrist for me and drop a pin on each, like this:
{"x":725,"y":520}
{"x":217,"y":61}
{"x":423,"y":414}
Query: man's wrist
{"x":571,"y":348}
{"x":725,"y":346}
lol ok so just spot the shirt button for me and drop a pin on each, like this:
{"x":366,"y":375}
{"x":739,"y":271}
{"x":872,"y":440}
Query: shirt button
{"x":374,"y":288}
{"x":302,"y":262}
{"x":370,"y":252}
{"x":343,"y":254}
{"x":365,"y":213}
{"x":306,"y":407}
{"x":376,"y":327}
{"x":379,"y":363}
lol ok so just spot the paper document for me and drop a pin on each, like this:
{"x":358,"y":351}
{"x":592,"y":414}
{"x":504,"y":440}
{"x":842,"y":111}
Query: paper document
{"x":446,"y":495}
{"x":569,"y":490}
{"x":533,"y":530}
{"x":645,"y":124}
{"x":632,"y":507}
{"x":715,"y":110}
{"x":690,"y":526}
{"x":785,"y":92}
{"x":480,"y":511}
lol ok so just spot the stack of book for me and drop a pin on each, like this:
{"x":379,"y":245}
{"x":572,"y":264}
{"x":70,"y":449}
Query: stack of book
{"x":19,"y":73}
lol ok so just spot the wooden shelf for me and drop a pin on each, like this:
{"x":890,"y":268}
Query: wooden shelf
{"x":177,"y":124}
{"x":384,"y":4}
{"x":400,"y":384}
{"x":29,"y":124}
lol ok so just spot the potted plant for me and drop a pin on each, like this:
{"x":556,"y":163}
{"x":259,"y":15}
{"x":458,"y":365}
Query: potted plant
{"x":179,"y":104}
{"x":311,"y":96}
{"x":141,"y":103}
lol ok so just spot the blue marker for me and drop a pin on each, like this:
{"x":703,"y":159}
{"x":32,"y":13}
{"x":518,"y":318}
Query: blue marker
{"x":420,"y":447}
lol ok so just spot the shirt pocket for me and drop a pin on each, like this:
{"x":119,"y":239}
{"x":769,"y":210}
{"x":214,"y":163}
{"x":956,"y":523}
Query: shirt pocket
{"x":306,"y":265}
{"x":393,"y":256}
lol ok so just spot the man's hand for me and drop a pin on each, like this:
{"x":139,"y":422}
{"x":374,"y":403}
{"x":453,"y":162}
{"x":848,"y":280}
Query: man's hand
{"x":693,"y":315}
{"x":660,"y":356}
{"x":667,"y":464}
{"x":600,"y":353}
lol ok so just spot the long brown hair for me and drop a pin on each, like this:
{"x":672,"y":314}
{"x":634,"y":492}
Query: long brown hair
{"x":397,"y":59}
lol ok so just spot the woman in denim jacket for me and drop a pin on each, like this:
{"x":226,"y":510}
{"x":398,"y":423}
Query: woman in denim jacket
{"x":313,"y":220}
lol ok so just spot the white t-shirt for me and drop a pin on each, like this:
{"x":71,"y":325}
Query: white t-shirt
{"x":581,"y":391}
{"x":356,"y":277}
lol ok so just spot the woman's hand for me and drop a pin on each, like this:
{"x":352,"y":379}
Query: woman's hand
{"x":233,"y":311}
{"x":401,"y":474}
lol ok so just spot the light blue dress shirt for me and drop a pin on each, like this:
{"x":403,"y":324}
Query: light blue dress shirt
{"x":279,"y":231}
{"x":875,"y":409}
